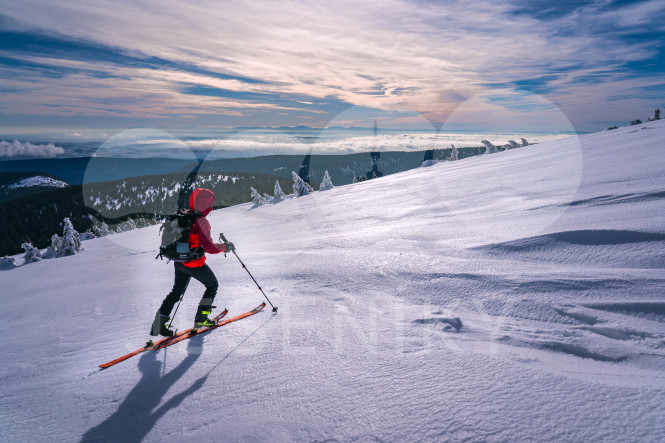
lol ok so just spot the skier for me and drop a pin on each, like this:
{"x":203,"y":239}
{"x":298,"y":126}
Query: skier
{"x":200,"y":202}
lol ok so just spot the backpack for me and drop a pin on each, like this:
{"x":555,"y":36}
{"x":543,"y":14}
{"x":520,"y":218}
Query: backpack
{"x":175,"y":237}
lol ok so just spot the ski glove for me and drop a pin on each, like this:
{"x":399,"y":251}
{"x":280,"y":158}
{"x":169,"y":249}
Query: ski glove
{"x":229,"y":247}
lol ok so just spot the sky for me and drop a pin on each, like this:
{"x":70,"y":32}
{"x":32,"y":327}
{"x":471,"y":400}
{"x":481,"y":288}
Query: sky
{"x":76,"y":68}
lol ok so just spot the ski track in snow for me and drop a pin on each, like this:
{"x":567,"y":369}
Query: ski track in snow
{"x":508,"y":297}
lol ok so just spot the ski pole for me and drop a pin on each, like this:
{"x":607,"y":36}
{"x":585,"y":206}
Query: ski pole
{"x":176,"y":308}
{"x":274,"y":308}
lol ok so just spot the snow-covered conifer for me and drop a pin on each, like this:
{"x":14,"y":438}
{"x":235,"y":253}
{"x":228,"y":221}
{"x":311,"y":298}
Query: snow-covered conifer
{"x":32,"y":254}
{"x":524,"y":142}
{"x":326,"y":183}
{"x":127,"y":225}
{"x":71,"y":242}
{"x":455,"y":154}
{"x":7,"y":263}
{"x":513,"y":144}
{"x":278,"y":194}
{"x":87,"y":235}
{"x":257,"y":198}
{"x":101,"y":231}
{"x":489,"y":147}
{"x":52,"y":250}
{"x":300,"y":187}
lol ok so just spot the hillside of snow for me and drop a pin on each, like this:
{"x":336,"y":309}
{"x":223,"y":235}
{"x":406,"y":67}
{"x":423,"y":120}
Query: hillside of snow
{"x":18,"y":184}
{"x":515,"y":296}
{"x":38,"y":180}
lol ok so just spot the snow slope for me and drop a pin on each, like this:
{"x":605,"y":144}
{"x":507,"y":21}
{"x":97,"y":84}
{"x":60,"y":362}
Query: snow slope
{"x":549,"y":257}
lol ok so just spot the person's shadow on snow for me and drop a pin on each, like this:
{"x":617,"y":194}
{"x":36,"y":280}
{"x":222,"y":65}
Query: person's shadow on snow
{"x":135,"y":416}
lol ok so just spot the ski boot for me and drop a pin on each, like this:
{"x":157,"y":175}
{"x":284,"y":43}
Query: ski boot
{"x":201,"y":320}
{"x":159,"y":325}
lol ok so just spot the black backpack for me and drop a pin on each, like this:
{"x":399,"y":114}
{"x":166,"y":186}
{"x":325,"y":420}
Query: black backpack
{"x":175,"y":238}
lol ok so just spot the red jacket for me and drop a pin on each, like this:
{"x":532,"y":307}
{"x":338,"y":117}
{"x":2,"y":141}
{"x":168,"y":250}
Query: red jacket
{"x":201,"y":202}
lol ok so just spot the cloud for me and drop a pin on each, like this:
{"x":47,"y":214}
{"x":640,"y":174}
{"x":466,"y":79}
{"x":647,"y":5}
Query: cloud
{"x":245,"y":144}
{"x":27,"y":149}
{"x":277,"y":56}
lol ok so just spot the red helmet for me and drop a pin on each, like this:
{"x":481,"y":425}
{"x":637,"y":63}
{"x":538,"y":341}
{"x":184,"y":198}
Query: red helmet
{"x":201,"y":200}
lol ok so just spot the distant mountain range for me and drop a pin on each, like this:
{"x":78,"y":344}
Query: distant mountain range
{"x":342,"y":168}
{"x":305,"y":128}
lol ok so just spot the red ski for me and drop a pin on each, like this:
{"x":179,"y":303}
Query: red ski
{"x":188,"y":333}
{"x":150,"y":346}
{"x":193,"y":332}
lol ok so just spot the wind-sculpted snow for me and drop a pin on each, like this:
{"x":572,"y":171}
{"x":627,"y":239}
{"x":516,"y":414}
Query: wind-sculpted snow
{"x":454,"y":322}
{"x":579,"y":317}
{"x":650,"y":310}
{"x":622,"y":198}
{"x":465,"y":301}
{"x":587,"y":237}
{"x":629,"y":248}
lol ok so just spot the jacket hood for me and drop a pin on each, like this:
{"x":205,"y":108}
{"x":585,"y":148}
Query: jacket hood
{"x":201,"y":201}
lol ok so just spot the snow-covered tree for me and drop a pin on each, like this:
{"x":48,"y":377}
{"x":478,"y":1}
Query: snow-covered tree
{"x":32,"y":254}
{"x":656,"y":114}
{"x":257,"y":198}
{"x":278,"y":194}
{"x":7,"y":263}
{"x":300,"y":187}
{"x":101,"y":231}
{"x":524,"y":142}
{"x":455,"y":154}
{"x":87,"y":235}
{"x":140,"y":223}
{"x":489,"y":147}
{"x":71,"y":242}
{"x":512,"y":144}
{"x":127,"y":225}
{"x":52,"y":250}
{"x":326,"y":183}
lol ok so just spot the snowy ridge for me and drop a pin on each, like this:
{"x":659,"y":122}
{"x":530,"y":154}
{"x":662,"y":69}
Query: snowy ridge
{"x":508,"y":297}
{"x":38,"y":180}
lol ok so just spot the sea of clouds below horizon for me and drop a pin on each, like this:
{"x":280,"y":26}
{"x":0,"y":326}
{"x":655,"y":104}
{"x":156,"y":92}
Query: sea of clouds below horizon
{"x":244,"y":144}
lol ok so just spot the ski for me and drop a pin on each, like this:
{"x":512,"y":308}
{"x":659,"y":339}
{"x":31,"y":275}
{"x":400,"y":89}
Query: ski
{"x":193,"y":332}
{"x":153,"y":346}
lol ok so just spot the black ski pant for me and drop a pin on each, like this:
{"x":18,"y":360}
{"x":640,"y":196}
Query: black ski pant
{"x":183,"y":275}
